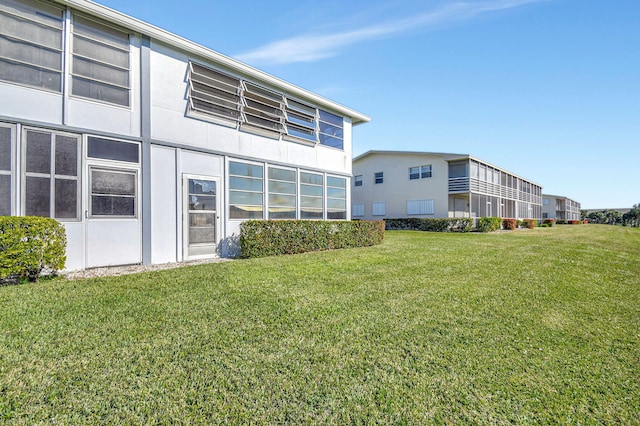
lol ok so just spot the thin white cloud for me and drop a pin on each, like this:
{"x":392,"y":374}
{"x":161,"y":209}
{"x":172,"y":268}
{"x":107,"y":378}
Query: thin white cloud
{"x":314,"y":47}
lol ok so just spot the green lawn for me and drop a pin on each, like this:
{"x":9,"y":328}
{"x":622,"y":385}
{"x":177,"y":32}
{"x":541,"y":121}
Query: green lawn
{"x":532,"y":326}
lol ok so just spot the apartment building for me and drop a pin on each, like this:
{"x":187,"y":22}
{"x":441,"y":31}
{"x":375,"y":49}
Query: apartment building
{"x":150,"y":148}
{"x":559,"y":207}
{"x":397,"y":184}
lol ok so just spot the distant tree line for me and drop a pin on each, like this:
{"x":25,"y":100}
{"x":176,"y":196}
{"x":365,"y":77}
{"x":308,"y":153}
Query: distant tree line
{"x":614,"y":217}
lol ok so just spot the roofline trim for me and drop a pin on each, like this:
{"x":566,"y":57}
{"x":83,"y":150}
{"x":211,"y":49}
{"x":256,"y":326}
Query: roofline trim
{"x":165,"y":36}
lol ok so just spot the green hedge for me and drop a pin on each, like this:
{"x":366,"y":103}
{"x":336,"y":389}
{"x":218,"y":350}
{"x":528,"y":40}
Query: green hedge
{"x":431,"y":224}
{"x":259,"y":238}
{"x":488,"y":224}
{"x":529,"y":223}
{"x":29,"y":245}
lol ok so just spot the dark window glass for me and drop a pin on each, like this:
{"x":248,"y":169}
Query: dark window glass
{"x":38,"y":197}
{"x":104,"y":205}
{"x":66,"y":202}
{"x":66,"y":156}
{"x":310,"y":213}
{"x":5,"y":148}
{"x":379,"y":177}
{"x":5,"y":195}
{"x":112,"y":150}
{"x":38,"y":152}
{"x":337,"y":215}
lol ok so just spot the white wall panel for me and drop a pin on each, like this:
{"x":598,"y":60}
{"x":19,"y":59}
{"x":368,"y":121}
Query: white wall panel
{"x":25,"y":103}
{"x":164,"y":196}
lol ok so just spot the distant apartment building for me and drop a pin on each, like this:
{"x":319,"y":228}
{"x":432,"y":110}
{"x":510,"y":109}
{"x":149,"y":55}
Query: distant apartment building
{"x":397,"y":184}
{"x":559,"y":207}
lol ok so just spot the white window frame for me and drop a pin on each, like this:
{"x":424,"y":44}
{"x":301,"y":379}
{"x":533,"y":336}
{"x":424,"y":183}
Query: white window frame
{"x":378,"y":178}
{"x":314,"y":197}
{"x":12,"y":167}
{"x":38,"y":19}
{"x":114,"y":46}
{"x":270,"y":192}
{"x":52,"y":176}
{"x":229,"y":189}
{"x":357,"y":180}
{"x":329,"y":198}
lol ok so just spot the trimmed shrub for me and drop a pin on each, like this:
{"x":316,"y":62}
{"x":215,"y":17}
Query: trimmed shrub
{"x":575,"y":222}
{"x":549,"y":222}
{"x":30,"y":245}
{"x":509,"y":224}
{"x":260,"y":238}
{"x":463,"y":224}
{"x":488,"y":224}
{"x":529,"y":223}
{"x":561,"y":222}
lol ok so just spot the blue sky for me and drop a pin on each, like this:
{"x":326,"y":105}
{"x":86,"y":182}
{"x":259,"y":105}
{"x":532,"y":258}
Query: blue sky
{"x":547,"y":89}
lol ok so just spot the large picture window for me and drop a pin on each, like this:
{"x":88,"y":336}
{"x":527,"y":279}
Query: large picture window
{"x":311,"y":195}
{"x":6,"y":168}
{"x":100,"y":65}
{"x":282,"y":193}
{"x":31,"y":44}
{"x":336,"y":198}
{"x":51,"y":164}
{"x":246,"y":191}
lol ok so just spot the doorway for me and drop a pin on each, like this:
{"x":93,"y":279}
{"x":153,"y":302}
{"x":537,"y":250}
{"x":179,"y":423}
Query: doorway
{"x":201,"y":217}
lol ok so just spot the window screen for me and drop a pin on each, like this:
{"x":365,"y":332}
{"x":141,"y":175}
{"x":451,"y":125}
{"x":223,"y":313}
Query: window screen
{"x":31,"y":44}
{"x":100,"y":64}
{"x":113,"y":193}
{"x":52,"y":164}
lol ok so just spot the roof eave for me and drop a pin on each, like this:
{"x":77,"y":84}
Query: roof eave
{"x":167,"y":37}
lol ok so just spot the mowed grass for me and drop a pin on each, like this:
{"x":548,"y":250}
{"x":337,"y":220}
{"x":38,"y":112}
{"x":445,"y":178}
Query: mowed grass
{"x":529,"y":327}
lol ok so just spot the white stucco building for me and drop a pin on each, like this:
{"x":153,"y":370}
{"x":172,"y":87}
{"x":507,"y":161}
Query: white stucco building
{"x":150,"y":148}
{"x":398,"y":184}
{"x":560,"y":207}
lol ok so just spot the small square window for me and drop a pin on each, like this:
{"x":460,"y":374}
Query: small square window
{"x":379,"y":177}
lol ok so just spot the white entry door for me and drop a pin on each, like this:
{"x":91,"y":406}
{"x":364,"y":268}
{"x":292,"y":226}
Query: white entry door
{"x":201,"y":217}
{"x":112,"y":215}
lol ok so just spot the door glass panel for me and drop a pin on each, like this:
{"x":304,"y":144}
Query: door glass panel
{"x":201,"y":200}
{"x":113,"y":193}
{"x":202,"y":229}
